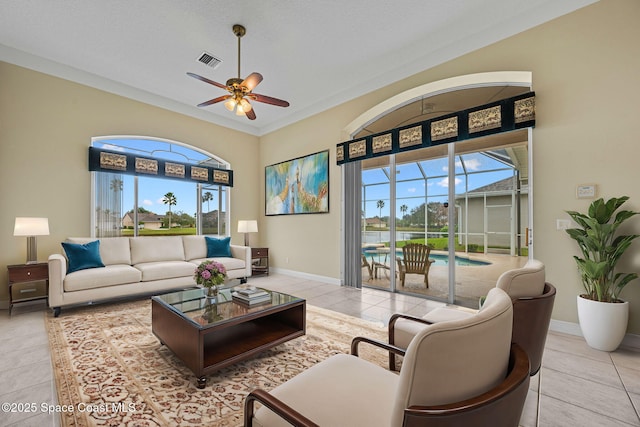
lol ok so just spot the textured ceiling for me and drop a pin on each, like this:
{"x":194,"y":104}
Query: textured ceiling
{"x":314,"y":54}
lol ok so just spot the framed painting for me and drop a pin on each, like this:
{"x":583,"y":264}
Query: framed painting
{"x":298,"y":186}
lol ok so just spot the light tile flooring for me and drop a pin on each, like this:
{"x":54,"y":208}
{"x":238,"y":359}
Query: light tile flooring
{"x":579,"y":386}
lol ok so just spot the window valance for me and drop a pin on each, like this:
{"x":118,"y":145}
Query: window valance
{"x":132,"y":164}
{"x":501,"y":116}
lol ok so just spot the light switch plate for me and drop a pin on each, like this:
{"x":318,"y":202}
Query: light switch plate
{"x":586,"y":191}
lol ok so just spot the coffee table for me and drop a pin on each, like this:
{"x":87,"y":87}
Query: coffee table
{"x":209,"y":335}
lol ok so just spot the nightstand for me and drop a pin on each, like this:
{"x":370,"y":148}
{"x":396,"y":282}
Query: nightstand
{"x":259,"y":261}
{"x":28,"y":282}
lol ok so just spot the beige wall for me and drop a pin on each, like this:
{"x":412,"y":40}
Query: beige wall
{"x":585,"y":74}
{"x":46,"y":125}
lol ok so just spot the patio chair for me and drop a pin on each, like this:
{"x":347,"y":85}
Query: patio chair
{"x":365,"y":263}
{"x":415,"y":260}
{"x":463,"y":372}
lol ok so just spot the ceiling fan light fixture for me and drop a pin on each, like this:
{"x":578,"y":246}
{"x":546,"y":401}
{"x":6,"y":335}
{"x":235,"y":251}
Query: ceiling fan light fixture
{"x":245,"y":105}
{"x":230,"y":104}
{"x":240,"y":111}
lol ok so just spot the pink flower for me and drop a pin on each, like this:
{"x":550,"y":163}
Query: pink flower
{"x":206,"y":274}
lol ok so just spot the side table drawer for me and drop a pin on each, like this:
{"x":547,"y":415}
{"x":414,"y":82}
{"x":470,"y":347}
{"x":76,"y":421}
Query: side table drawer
{"x":22,"y":291}
{"x":259,"y":252}
{"x":27,"y":273}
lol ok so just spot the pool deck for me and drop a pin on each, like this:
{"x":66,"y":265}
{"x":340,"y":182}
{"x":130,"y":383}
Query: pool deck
{"x":472,"y":282}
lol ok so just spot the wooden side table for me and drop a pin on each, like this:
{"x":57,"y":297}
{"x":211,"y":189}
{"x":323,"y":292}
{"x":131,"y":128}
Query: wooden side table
{"x":262,"y":256}
{"x":28,"y":282}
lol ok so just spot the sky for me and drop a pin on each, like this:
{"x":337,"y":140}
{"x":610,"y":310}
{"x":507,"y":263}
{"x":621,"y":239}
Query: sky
{"x":151,"y":190}
{"x":411,"y":187}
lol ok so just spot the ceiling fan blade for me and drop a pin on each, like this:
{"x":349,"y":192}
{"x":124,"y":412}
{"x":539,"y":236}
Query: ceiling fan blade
{"x":206,"y":80}
{"x":251,"y":115}
{"x":269,"y":100}
{"x":214,"y":100}
{"x":252,"y":81}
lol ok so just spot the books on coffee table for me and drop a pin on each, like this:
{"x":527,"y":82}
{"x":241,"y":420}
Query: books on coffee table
{"x":251,"y":296}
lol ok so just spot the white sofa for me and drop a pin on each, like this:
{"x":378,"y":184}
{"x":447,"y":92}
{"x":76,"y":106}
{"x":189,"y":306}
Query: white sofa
{"x":136,"y":266}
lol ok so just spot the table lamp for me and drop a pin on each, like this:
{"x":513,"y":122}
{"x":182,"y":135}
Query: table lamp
{"x":31,"y":227}
{"x":246,"y":227}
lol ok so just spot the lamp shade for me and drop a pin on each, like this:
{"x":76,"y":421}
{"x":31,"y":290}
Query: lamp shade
{"x":248,"y":226}
{"x":31,"y":227}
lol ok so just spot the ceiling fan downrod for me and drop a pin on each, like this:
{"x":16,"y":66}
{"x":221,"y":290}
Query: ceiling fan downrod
{"x":239,"y":31}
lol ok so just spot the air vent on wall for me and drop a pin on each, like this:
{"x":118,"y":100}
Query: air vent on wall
{"x":210,"y":60}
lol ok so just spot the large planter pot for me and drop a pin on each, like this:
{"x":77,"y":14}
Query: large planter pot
{"x":603,"y":324}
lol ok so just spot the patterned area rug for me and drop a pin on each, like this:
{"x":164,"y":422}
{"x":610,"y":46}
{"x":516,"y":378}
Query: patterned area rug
{"x":113,"y":371}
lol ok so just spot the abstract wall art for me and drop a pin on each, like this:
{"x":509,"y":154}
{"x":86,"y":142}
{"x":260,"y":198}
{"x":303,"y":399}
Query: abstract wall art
{"x":298,"y":186}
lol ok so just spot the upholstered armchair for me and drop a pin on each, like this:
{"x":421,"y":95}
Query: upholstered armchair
{"x":463,"y":368}
{"x":532,"y":300}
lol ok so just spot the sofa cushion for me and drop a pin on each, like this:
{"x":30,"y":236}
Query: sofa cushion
{"x":218,"y":247}
{"x":195,"y":247}
{"x":229,"y":263}
{"x":113,"y":250}
{"x":82,"y":256}
{"x":154,"y":249}
{"x":165,"y":270}
{"x":110,"y":275}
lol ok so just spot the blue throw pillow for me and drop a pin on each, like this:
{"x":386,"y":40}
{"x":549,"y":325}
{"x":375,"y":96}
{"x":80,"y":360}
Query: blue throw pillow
{"x":83,"y":256}
{"x":218,"y":247}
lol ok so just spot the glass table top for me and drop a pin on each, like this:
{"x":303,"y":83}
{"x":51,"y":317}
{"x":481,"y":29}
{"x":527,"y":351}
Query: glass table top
{"x":194,"y":305}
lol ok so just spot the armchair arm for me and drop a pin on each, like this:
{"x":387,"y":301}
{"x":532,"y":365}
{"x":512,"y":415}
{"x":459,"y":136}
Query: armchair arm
{"x":394,"y":317}
{"x":277,"y":406}
{"x":392,"y":335}
{"x":383,"y":345}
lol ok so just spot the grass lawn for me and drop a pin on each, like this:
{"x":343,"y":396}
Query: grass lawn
{"x":161,"y":232}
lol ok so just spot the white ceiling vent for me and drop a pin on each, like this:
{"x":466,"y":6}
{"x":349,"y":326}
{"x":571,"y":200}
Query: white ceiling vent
{"x":210,"y":60}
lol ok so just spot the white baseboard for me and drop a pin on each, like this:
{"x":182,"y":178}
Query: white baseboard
{"x":317,"y":278}
{"x":570,"y":328}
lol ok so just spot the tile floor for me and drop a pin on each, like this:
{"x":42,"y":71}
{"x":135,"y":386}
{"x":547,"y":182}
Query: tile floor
{"x":579,"y":386}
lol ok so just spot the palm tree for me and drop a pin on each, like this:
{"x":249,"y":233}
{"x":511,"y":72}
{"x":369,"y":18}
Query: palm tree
{"x":404,"y":209}
{"x":171,"y":200}
{"x":206,"y":197}
{"x":116,"y":186}
{"x":380,"y":205}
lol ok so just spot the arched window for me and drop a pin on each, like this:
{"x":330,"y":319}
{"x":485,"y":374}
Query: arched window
{"x":154,"y":203}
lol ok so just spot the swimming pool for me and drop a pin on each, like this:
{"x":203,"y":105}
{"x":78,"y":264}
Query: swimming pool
{"x":381,"y":255}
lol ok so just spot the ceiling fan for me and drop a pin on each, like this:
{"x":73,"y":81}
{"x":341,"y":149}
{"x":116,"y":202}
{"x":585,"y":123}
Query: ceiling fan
{"x":240,"y":91}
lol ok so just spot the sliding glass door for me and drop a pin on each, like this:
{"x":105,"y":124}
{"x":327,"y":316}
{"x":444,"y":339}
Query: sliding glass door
{"x":467,"y":202}
{"x":376,"y":223}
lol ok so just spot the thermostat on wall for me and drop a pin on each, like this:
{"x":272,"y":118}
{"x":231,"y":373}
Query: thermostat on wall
{"x":586,"y":191}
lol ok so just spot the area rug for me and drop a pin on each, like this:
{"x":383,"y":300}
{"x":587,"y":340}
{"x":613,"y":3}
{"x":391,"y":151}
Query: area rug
{"x":110,"y":370}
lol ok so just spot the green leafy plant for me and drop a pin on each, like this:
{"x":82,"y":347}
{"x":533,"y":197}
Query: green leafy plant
{"x":601,"y":248}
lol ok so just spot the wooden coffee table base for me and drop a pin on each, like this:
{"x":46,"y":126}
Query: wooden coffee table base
{"x":205,"y":350}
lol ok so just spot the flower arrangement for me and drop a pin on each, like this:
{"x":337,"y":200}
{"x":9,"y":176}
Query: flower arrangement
{"x":210,"y":274}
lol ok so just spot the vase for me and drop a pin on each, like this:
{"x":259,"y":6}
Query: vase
{"x":603,"y":324}
{"x":212,"y":291}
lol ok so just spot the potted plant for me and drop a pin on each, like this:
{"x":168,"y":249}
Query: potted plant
{"x":603,"y":316}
